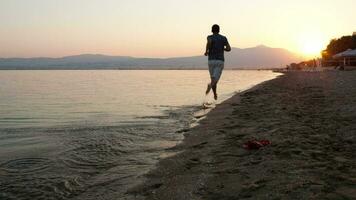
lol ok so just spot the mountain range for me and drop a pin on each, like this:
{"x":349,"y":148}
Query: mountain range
{"x":260,"y":57}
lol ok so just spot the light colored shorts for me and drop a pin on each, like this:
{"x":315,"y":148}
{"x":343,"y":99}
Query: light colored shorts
{"x":215,"y":68}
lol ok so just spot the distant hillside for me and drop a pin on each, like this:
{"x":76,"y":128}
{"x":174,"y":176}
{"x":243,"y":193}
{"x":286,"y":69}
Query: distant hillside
{"x":250,"y":58}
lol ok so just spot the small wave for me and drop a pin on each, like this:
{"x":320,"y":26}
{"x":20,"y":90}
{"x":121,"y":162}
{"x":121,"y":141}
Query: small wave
{"x":26,"y":165}
{"x":92,"y":155}
{"x":153,"y":117}
{"x":44,"y":186}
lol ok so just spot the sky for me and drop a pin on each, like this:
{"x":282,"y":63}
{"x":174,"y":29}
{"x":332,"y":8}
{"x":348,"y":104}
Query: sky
{"x":167,"y":28}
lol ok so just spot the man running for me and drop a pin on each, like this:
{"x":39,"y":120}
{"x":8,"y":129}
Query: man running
{"x":215,"y":48}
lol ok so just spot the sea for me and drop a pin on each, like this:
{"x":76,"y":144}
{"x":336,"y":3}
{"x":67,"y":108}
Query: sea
{"x":93,"y":134}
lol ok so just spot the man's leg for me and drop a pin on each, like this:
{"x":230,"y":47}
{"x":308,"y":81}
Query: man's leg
{"x":217,"y":74}
{"x":208,"y":89}
{"x":211,"y":72}
{"x":214,"y":84}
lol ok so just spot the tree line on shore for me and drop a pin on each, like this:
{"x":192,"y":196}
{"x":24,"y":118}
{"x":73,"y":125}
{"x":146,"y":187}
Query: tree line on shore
{"x":339,"y":45}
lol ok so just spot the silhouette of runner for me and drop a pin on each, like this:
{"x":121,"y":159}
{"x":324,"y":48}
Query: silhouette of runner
{"x":215,"y":48}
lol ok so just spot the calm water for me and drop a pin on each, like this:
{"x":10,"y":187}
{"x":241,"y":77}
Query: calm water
{"x":93,"y":134}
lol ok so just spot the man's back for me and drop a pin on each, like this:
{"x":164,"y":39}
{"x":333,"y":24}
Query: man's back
{"x":216,"y":50}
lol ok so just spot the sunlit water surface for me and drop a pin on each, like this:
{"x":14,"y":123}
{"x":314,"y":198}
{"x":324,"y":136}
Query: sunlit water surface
{"x":93,"y":134}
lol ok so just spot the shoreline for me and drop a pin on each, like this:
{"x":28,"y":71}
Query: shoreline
{"x":191,"y":139}
{"x":206,"y":111}
{"x":212,"y":164}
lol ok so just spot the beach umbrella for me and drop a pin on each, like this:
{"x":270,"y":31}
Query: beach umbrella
{"x":351,"y":53}
{"x":347,"y":55}
{"x":342,"y":54}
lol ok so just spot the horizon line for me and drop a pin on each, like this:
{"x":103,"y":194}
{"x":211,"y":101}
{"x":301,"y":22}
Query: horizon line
{"x":98,"y":54}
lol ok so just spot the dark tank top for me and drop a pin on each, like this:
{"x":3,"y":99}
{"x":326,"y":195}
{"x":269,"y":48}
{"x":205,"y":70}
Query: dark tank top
{"x":218,"y":43}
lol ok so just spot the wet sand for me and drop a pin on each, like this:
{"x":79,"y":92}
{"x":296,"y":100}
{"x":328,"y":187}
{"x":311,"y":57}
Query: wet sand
{"x":310,"y":120}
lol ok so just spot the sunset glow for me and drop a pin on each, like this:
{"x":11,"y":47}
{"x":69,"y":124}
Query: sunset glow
{"x":312,"y":45}
{"x":161,"y":28}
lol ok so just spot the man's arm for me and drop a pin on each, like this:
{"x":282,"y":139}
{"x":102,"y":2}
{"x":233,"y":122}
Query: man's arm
{"x":208,"y":45}
{"x":227,"y":46}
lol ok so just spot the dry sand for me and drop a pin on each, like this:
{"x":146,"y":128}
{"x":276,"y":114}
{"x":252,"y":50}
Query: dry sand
{"x":310,"y":120}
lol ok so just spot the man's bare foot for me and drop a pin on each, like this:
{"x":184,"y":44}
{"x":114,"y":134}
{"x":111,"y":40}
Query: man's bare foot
{"x":208,"y":89}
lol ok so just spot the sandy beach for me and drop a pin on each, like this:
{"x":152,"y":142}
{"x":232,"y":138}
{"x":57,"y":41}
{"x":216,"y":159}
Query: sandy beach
{"x":309,"y":117}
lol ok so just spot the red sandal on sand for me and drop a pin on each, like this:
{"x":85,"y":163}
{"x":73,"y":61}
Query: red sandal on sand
{"x":255,"y":144}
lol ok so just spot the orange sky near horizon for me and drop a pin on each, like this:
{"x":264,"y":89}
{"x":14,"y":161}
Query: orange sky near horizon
{"x":167,"y":28}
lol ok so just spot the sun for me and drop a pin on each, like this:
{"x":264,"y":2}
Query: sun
{"x":311,"y":45}
{"x":312,"y":48}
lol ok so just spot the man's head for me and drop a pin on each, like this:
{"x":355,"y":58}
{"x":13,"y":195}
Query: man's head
{"x":215,"y":28}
